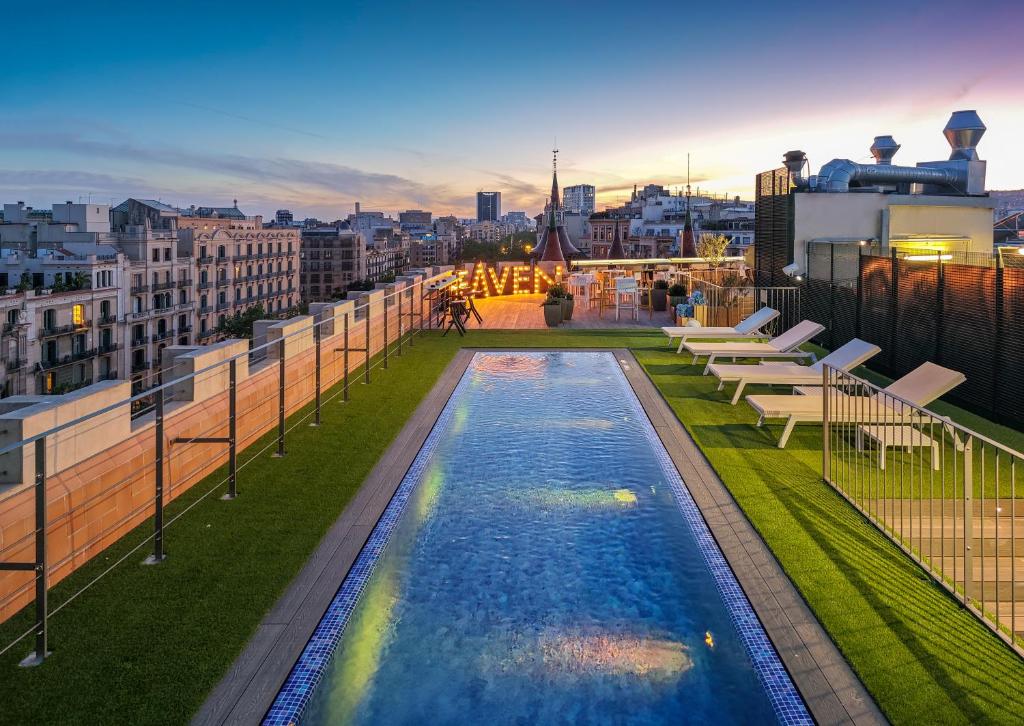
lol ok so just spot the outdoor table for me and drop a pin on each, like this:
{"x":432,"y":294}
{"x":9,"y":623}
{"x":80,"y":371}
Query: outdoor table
{"x":580,"y":285}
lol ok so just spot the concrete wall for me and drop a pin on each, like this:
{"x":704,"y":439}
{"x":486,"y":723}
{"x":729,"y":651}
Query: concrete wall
{"x":873,"y":216}
{"x":973,"y":223}
{"x":101,"y":475}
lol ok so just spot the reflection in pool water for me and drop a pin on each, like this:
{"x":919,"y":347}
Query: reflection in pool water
{"x":540,"y":571}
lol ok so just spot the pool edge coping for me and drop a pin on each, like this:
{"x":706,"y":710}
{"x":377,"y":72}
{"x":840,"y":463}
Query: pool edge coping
{"x":832,"y":692}
{"x":249,"y":687}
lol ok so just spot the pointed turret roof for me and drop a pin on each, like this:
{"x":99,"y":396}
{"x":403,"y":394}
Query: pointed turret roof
{"x":689,"y":247}
{"x":555,"y":245}
{"x":552,"y":248}
{"x":616,"y":252}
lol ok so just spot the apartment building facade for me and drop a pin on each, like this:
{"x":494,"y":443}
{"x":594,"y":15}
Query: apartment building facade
{"x":332,"y":258}
{"x":238,"y":269}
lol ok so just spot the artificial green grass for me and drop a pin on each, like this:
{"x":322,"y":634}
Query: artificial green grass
{"x":147,"y":644}
{"x":923,"y":658}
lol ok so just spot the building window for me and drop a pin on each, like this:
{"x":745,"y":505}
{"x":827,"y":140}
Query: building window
{"x":167,"y":254}
{"x":49,"y":319}
{"x":156,"y":254}
{"x":78,"y":314}
{"x":222,"y":252}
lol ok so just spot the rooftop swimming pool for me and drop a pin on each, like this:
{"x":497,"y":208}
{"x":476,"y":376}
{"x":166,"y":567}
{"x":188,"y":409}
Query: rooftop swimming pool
{"x":540,"y":562}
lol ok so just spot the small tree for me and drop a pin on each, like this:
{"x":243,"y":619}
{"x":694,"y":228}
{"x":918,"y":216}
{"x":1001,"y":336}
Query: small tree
{"x":240,"y":325}
{"x":711,"y":247}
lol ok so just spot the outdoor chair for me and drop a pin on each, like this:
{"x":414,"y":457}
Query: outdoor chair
{"x":896,"y":405}
{"x":844,"y":358}
{"x":627,"y":297}
{"x":786,"y":345}
{"x":749,"y":327}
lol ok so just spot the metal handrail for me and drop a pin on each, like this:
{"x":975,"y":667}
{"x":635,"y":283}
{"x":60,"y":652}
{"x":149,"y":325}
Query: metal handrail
{"x":917,"y":407}
{"x":892,"y":460}
{"x":146,"y":394}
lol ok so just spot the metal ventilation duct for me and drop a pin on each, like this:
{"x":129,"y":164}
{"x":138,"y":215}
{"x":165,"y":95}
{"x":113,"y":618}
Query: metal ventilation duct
{"x":963,"y":173}
{"x":883,"y":149}
{"x":839,"y":174}
{"x":963,"y":132}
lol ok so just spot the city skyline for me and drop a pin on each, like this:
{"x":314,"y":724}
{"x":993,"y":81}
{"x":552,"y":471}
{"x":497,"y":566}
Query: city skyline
{"x":288,"y":112}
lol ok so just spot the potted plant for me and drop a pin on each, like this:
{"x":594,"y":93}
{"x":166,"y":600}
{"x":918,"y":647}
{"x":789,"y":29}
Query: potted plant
{"x":552,"y":310}
{"x":659,"y":295}
{"x":676,"y":295}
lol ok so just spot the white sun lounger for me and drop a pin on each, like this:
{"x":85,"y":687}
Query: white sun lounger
{"x":844,"y":358}
{"x":749,"y":327}
{"x":782,"y":346}
{"x":920,"y":387}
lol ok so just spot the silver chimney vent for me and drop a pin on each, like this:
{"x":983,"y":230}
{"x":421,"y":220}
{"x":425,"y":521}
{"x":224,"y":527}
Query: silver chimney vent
{"x":963,"y":132}
{"x":883,"y":149}
{"x":795,"y":161}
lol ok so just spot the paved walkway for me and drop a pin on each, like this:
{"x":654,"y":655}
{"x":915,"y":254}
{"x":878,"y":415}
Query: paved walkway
{"x":522,"y":312}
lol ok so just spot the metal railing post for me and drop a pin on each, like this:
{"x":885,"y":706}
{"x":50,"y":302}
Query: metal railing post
{"x":968,"y":515}
{"x":42,"y":610}
{"x":316,"y":339}
{"x":366,"y":346}
{"x":826,"y":453}
{"x":412,"y":321}
{"x":400,"y":324}
{"x":158,"y":465}
{"x":232,"y":430}
{"x":280,"y":403}
{"x":345,"y":362}
{"x":385,"y":332}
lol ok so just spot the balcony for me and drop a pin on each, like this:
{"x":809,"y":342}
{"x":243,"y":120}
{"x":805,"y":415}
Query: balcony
{"x":16,"y":365}
{"x":184,"y":329}
{"x":108,"y":348}
{"x":157,"y":337}
{"x":139,"y":289}
{"x":45,"y":365}
{"x":163,"y":285}
{"x":140,"y":366}
{"x":206,"y":260}
{"x":205,"y":285}
{"x":108,"y":320}
{"x":139,"y":314}
{"x":223,"y":306}
{"x":185,"y":283}
{"x":223,"y":283}
{"x":205,"y":309}
{"x":64,"y":329}
{"x":109,"y":376}
{"x":136,"y":342}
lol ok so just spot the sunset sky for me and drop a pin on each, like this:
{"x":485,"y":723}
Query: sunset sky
{"x":419,"y":105}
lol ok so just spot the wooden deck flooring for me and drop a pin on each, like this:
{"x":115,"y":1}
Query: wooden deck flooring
{"x":524,"y":312}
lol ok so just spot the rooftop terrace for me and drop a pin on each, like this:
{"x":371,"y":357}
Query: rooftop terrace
{"x":149,"y":644}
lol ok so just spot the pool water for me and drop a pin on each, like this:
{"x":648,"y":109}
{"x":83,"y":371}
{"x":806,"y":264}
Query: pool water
{"x":540,"y":563}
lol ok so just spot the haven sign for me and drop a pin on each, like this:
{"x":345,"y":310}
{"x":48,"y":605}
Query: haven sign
{"x":509,"y":278}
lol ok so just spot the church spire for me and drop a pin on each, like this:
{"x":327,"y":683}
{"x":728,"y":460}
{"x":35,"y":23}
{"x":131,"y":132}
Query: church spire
{"x":616,"y":252}
{"x":555,"y":200}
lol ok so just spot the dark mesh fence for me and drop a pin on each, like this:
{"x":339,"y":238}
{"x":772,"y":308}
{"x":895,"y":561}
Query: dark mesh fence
{"x":963,"y":316}
{"x":771,"y":227}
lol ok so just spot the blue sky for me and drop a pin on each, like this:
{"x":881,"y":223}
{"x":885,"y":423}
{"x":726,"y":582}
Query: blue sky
{"x":316,"y":106}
